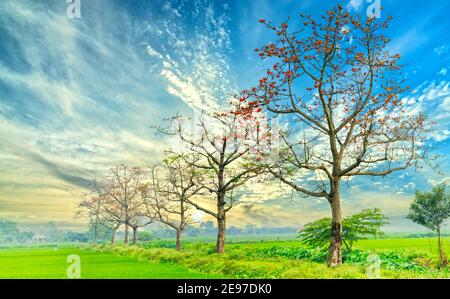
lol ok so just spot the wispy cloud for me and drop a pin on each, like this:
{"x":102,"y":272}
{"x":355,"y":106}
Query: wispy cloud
{"x":443,"y":49}
{"x":80,"y":100}
{"x":433,"y":99}
{"x":192,"y":56}
{"x":77,"y":96}
{"x":355,"y":5}
{"x":442,"y":72}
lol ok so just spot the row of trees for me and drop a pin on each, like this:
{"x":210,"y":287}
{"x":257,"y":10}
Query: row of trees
{"x":211,"y":166}
{"x":133,"y":197}
{"x":45,"y":233}
{"x":336,"y":87}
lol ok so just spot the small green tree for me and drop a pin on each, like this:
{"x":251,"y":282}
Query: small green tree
{"x":432,"y":209}
{"x":316,"y":234}
{"x":355,"y":227}
{"x":362,"y":225}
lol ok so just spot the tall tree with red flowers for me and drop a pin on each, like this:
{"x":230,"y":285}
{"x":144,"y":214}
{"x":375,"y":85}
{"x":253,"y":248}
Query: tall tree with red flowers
{"x":227,"y":146}
{"x":336,"y":84}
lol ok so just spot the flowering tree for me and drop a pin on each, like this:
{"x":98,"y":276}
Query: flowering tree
{"x":90,"y":207}
{"x":226,"y":151}
{"x":122,"y":201}
{"x":338,"y":87}
{"x":173,"y":184}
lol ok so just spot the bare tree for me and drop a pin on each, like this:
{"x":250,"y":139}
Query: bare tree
{"x":172,"y":185}
{"x":116,"y":226}
{"x":122,"y":201}
{"x":91,"y":208}
{"x":141,"y":219}
{"x":221,"y":143}
{"x":338,"y":87}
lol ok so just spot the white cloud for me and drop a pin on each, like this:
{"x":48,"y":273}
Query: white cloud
{"x":152,"y":52}
{"x":182,"y":88}
{"x":441,"y":50}
{"x":194,"y":60}
{"x":442,"y":72}
{"x":433,"y":99}
{"x":85,"y":102}
{"x":354,"y":5}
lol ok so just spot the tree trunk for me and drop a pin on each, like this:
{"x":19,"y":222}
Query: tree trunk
{"x":441,"y":262}
{"x":113,"y":239}
{"x":347,"y":246}
{"x":221,"y":229}
{"x":178,"y":245}
{"x":95,"y":230}
{"x":135,"y":235}
{"x":126,"y":234}
{"x":335,"y":249}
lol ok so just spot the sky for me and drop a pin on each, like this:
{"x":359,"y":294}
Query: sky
{"x":78,"y":96}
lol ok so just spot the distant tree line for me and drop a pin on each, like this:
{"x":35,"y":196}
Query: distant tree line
{"x":209,"y":229}
{"x":50,"y":233}
{"x":47,"y":233}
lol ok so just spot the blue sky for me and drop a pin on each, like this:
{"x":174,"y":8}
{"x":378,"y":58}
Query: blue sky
{"x":80,"y":95}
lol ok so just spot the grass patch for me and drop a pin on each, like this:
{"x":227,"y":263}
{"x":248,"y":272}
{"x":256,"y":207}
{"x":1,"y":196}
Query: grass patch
{"x":240,"y":262}
{"x":400,"y":258}
{"x":51,"y":263}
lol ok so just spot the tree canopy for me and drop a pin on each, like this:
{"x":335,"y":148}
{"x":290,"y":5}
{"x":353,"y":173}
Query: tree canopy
{"x":432,"y":209}
{"x":355,"y":227}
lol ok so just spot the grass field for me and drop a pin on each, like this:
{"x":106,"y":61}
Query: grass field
{"x":244,"y":259}
{"x":416,"y":245}
{"x":51,"y":263}
{"x":422,"y":245}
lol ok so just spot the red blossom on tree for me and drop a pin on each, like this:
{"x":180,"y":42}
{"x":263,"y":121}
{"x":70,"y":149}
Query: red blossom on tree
{"x":335,"y":77}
